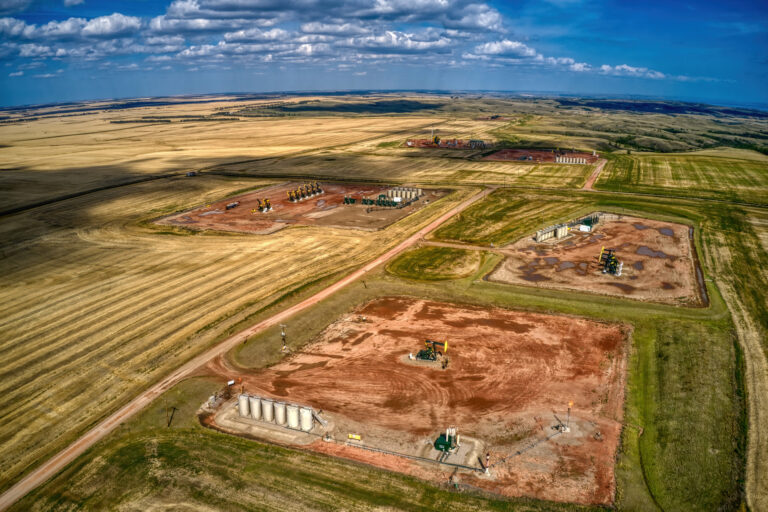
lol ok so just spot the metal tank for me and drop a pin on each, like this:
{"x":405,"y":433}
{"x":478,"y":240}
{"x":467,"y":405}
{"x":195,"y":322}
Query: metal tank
{"x":242,"y":405}
{"x":280,"y":413}
{"x":255,"y":403}
{"x":267,"y":410}
{"x":293,"y":416}
{"x":306,"y":419}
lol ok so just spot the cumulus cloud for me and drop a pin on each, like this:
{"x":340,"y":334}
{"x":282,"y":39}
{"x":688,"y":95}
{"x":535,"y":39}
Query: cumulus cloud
{"x":113,"y":25}
{"x":398,"y":42}
{"x":626,"y":70}
{"x":206,"y":33}
{"x":16,"y":73}
{"x":506,"y":48}
{"x":336,"y":29}
{"x":256,"y":34}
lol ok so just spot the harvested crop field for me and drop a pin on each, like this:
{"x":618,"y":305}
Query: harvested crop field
{"x":507,"y":386}
{"x":657,"y":257}
{"x":326,"y":209}
{"x":538,"y":156}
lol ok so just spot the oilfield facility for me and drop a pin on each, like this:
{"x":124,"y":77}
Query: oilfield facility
{"x":395,"y":402}
{"x":437,"y":142}
{"x":609,"y":254}
{"x":558,"y":231}
{"x":541,"y":156}
{"x":342,"y":205}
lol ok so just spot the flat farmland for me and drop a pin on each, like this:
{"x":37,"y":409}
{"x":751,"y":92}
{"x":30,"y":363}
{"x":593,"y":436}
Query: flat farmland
{"x":54,"y":156}
{"x":416,"y":166}
{"x":507,"y":215}
{"x":740,"y":176}
{"x":97,"y":304}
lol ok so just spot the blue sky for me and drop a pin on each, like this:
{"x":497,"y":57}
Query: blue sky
{"x":63,"y":50}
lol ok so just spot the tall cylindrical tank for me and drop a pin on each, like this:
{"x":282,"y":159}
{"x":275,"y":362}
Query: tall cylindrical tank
{"x":267,"y":410}
{"x":280,"y":413}
{"x":306,"y":419}
{"x":242,"y":405}
{"x":293,"y":416}
{"x":255,"y":407}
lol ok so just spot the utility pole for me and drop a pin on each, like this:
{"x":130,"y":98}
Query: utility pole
{"x":282,"y":334}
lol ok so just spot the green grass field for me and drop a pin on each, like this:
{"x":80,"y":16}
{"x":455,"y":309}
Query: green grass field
{"x":690,"y":175}
{"x":506,"y":215}
{"x":435,"y":263}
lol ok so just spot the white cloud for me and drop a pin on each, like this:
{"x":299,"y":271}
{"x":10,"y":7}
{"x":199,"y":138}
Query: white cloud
{"x":506,"y":48}
{"x":394,"y":41}
{"x":16,"y":73}
{"x":631,"y":71}
{"x":256,"y":34}
{"x":35,"y":50}
{"x":339,"y":29}
{"x":70,"y":3}
{"x":112,"y":25}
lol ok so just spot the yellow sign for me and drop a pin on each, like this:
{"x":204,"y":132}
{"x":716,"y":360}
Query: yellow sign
{"x":356,"y":437}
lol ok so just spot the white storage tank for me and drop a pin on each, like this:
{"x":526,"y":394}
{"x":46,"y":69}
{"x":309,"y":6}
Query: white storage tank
{"x":255,"y":403}
{"x":306,"y":419}
{"x":293,"y":416}
{"x":267,"y":411}
{"x":280,"y":413}
{"x":242,"y":405}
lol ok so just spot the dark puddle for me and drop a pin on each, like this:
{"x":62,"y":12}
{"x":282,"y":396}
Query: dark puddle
{"x":647,"y":251}
{"x":640,"y":226}
{"x":566,"y":265}
{"x":534,"y":277}
{"x":666,"y":232}
{"x":582,"y":270}
{"x":638,"y":265}
{"x":551,"y":260}
{"x":626,"y":288}
{"x":667,"y":286}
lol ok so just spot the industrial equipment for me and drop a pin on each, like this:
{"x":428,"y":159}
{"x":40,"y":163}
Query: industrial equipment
{"x":433,"y":350}
{"x":233,"y":205}
{"x":449,"y":441}
{"x":609,"y":263}
{"x":267,"y":205}
{"x":291,"y":198}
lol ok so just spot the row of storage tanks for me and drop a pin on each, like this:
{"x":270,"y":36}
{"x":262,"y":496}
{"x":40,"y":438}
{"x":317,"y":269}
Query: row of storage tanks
{"x":265,"y":409}
{"x":405,"y":192}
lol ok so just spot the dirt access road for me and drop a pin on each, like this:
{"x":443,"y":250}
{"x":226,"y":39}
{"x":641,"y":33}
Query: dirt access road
{"x":55,"y":464}
{"x":593,"y":177}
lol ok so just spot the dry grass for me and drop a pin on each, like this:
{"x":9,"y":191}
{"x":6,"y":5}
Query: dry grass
{"x":97,"y":304}
{"x":55,"y":156}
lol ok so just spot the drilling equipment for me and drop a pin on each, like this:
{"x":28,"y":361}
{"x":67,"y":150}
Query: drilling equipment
{"x":433,"y":350}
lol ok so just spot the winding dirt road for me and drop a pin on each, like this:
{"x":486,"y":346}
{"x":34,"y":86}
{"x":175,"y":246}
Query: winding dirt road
{"x":55,"y":464}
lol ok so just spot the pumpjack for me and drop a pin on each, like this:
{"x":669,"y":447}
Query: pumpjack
{"x":267,"y":206}
{"x":609,"y":263}
{"x":433,"y":350}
